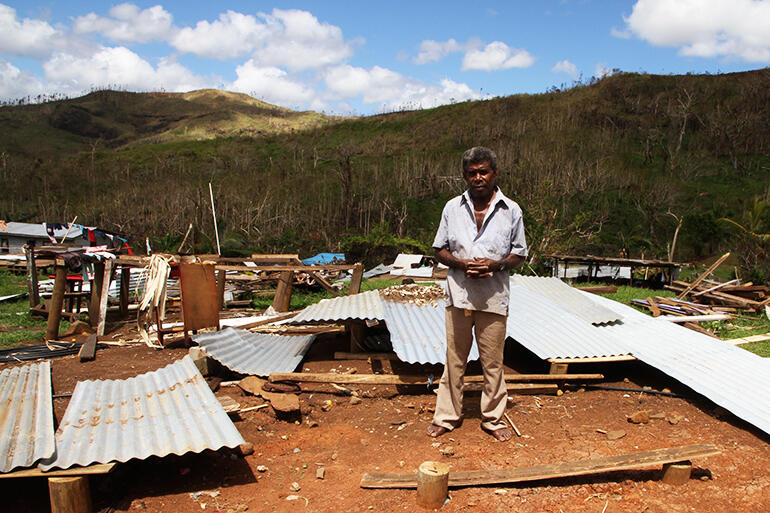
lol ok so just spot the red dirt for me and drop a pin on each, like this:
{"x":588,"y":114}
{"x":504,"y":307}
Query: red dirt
{"x":386,"y":433}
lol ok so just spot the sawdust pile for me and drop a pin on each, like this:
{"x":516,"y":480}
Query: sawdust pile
{"x":414,"y":294}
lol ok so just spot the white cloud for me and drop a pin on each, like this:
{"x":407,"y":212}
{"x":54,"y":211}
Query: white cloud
{"x":232,"y":35}
{"x":391,"y":90}
{"x":431,"y":51}
{"x":128,"y":24}
{"x":271,"y":84}
{"x":567,"y":67}
{"x":15,"y":83}
{"x":118,"y":67}
{"x":602,"y":70}
{"x":26,"y":37}
{"x":705,"y":28}
{"x":497,"y":55}
{"x":298,"y":41}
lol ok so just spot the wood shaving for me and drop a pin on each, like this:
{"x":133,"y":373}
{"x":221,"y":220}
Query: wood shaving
{"x":414,"y":294}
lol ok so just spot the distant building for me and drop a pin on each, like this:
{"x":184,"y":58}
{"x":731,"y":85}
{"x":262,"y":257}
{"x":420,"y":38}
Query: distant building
{"x":13,"y":236}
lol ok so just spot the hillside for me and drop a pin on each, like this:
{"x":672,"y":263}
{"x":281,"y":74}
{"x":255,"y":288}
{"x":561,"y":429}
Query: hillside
{"x":111,"y":119}
{"x":617,"y":163}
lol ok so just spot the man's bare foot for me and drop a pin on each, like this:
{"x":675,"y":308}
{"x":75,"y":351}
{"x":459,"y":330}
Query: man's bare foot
{"x":501,"y":435}
{"x":436,"y":431}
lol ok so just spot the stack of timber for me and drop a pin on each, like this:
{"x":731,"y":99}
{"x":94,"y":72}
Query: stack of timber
{"x":726,"y":295}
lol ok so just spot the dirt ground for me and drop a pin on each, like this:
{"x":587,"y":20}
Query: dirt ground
{"x":385,"y":432}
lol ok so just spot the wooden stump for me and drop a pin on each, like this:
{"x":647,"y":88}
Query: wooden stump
{"x":57,"y":301}
{"x":432,"y":483}
{"x":69,"y":494}
{"x":677,"y":473}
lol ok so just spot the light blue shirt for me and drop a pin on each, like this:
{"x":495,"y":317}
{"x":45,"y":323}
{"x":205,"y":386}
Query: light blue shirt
{"x":501,"y":234}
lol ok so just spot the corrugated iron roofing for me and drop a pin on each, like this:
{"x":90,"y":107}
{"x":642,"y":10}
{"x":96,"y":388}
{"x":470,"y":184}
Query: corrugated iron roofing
{"x":366,"y":305}
{"x":567,"y":297}
{"x":168,"y":411}
{"x":26,"y":416}
{"x":258,"y":354}
{"x":731,"y":377}
{"x":550,"y":331}
{"x":418,"y":332}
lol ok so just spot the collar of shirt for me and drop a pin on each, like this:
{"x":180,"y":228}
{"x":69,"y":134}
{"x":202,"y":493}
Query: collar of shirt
{"x":500,"y":200}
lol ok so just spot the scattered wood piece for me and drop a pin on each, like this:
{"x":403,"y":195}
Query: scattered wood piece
{"x":599,"y":289}
{"x":704,"y":275}
{"x":268,"y":321}
{"x":432,"y":484}
{"x":515,"y":429}
{"x":653,"y":307}
{"x":88,"y":349}
{"x":551,"y":471}
{"x":229,"y":404}
{"x":749,"y":339}
{"x":677,"y":473}
{"x":253,"y":408}
{"x":404,"y":379}
{"x":697,"y":318}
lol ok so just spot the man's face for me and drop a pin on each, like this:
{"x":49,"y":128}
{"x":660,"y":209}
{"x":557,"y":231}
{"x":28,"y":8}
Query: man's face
{"x":481,"y":179}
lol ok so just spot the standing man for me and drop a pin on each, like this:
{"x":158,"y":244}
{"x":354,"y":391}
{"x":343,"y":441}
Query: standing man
{"x":480,"y":238}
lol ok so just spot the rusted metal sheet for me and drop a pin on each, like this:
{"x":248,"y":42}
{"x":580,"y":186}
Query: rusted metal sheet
{"x":168,"y":411}
{"x":26,"y":416}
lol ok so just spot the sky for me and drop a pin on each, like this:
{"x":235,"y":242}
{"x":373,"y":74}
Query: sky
{"x":358,"y":57}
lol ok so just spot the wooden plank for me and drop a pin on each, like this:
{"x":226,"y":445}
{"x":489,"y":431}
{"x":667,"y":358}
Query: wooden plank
{"x":599,"y":290}
{"x":32,"y":285}
{"x":551,"y":471}
{"x":274,"y":259}
{"x":704,"y":275}
{"x":595,"y":359}
{"x":404,"y":379}
{"x":282,"y":299}
{"x":518,"y":388}
{"x":88,"y":349}
{"x":125,"y":283}
{"x":280,"y":268}
{"x":342,"y":355}
{"x":749,"y":340}
{"x":221,"y":278}
{"x":355,"y":281}
{"x":103,"y":296}
{"x":100,"y":468}
{"x":653,"y":307}
{"x":57,"y":299}
{"x":96,"y":287}
{"x":268,"y":321}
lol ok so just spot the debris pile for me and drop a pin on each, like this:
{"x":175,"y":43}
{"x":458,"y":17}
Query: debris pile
{"x":414,"y":294}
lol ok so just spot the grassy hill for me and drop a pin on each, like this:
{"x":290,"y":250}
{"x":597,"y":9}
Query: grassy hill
{"x":618,"y":163}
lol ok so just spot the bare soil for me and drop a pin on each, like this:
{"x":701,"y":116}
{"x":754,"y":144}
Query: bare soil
{"x":386,"y":433}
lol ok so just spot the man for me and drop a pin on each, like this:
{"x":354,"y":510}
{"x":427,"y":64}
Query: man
{"x":480,"y":238}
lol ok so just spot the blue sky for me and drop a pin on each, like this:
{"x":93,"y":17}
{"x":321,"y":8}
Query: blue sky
{"x":350,"y":57}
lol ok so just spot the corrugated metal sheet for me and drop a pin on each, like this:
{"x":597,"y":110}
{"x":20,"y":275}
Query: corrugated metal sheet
{"x":366,"y":305}
{"x":257,"y":354}
{"x":567,"y":297}
{"x":26,"y":416}
{"x":168,"y":411}
{"x":418,"y":332}
{"x":731,"y":377}
{"x":550,"y":331}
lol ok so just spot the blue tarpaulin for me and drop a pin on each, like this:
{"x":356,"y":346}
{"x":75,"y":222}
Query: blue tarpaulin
{"x":325,"y":258}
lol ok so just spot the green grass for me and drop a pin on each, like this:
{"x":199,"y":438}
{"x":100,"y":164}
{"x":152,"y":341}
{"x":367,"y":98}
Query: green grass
{"x":17,"y":326}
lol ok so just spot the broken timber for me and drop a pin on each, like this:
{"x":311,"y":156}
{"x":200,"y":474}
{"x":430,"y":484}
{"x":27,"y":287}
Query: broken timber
{"x":403,"y":379}
{"x":551,"y":471}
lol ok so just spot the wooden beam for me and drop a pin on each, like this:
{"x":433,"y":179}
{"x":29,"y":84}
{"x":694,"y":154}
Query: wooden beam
{"x":704,"y":275}
{"x":404,"y":379}
{"x":221,"y":278}
{"x":96,"y":288}
{"x":282,"y":299}
{"x":97,"y":469}
{"x":279,"y":268}
{"x":57,"y":299}
{"x":595,"y":359}
{"x":552,"y":471}
{"x":599,"y":290}
{"x":88,"y":349}
{"x":749,"y":339}
{"x":103,"y":296}
{"x":125,"y":284}
{"x":32,"y":285}
{"x":274,"y":259}
{"x":355,"y":281}
{"x":341,"y":355}
{"x":268,"y":321}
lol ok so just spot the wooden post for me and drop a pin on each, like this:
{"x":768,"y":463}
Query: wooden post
{"x":96,"y":288}
{"x":432,"y":484}
{"x":69,"y":494}
{"x":125,"y":285}
{"x":558,"y":368}
{"x":282,"y":299}
{"x":357,"y":331}
{"x":32,"y":286}
{"x":677,"y":473}
{"x":54,"y":311}
{"x":103,"y":293}
{"x":221,"y":288}
{"x":355,"y":281}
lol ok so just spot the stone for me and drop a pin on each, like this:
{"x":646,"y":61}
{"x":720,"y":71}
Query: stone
{"x":639,"y":417}
{"x":261,"y":468}
{"x":615,"y":434}
{"x":295,"y":487}
{"x":658,"y":416}
{"x":320,"y":473}
{"x":674,"y":418}
{"x":246,"y":448}
{"x":252,"y":385}
{"x":284,"y":403}
{"x":76,"y":328}
{"x":447,"y":450}
{"x":355,"y":400}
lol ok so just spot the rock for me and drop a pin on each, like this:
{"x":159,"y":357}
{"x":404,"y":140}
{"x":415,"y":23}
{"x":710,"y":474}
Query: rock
{"x":500,"y":491}
{"x":261,"y":468}
{"x":658,"y":416}
{"x":447,"y":450}
{"x":639,"y":417}
{"x":364,"y":442}
{"x":246,"y":448}
{"x":666,"y":390}
{"x":334,"y":456}
{"x":615,"y":434}
{"x":284,"y":403}
{"x":77,"y":327}
{"x":320,"y":473}
{"x":355,"y":400}
{"x":311,"y":423}
{"x":252,"y":385}
{"x":558,"y":393}
{"x":285,"y":388}
{"x":401,"y":463}
{"x":295,"y":487}
{"x":674,"y":418}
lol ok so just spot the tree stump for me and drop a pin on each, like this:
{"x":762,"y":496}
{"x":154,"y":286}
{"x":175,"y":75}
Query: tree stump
{"x":69,"y":494}
{"x":432,"y":483}
{"x":677,"y":473}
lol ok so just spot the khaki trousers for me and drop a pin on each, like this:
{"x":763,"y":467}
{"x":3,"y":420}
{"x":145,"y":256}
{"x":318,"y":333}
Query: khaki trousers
{"x":490,"y":337}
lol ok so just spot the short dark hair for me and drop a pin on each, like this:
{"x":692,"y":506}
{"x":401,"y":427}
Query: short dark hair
{"x":480,"y":154}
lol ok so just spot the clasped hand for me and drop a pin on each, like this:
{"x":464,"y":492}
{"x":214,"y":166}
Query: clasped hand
{"x":479,"y":267}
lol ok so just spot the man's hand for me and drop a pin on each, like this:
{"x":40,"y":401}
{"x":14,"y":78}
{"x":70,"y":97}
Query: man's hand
{"x":481,"y":267}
